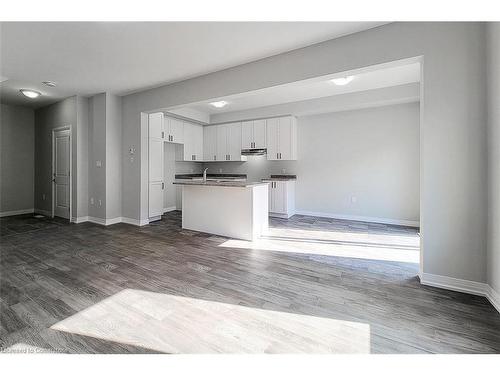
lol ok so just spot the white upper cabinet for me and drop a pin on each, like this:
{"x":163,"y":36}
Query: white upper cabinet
{"x":156,"y":125}
{"x":259,"y":134}
{"x":221,"y":139}
{"x":210,"y":143}
{"x":253,"y":134}
{"x":228,"y":141}
{"x":247,"y":135}
{"x":234,"y":141}
{"x":282,"y":138}
{"x":174,"y":130}
{"x":193,"y":142}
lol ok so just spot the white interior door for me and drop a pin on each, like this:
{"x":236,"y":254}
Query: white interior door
{"x":156,"y":181}
{"x":61,"y":162}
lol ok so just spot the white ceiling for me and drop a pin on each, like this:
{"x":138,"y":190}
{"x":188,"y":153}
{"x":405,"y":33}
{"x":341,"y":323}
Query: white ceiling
{"x":121,"y":57}
{"x":315,"y":88}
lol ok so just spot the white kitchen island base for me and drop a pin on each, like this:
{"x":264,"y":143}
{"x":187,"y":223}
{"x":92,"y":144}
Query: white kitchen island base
{"x":237,"y":210}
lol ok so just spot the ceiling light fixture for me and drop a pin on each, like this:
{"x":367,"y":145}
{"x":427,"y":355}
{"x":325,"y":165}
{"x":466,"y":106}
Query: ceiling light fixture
{"x":49,"y":83}
{"x":342,"y":81}
{"x":220,"y":104}
{"x":30,"y":93}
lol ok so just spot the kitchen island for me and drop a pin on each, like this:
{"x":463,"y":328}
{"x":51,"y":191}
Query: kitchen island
{"x":236,"y":209}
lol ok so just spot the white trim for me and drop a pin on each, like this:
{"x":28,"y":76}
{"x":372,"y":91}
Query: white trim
{"x":464,"y":286}
{"x":43,"y":212}
{"x":81,"y":219}
{"x":451,"y":283}
{"x":97,"y":220}
{"x":140,"y":223}
{"x":106,"y":222}
{"x":17,"y":212}
{"x":494,"y":298}
{"x":169,"y":209}
{"x":368,"y":219}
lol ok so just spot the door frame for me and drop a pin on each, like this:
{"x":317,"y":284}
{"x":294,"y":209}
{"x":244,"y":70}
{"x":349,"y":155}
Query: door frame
{"x":54,"y":131}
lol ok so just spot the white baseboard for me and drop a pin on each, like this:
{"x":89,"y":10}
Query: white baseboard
{"x":140,"y":223}
{"x":43,"y":212}
{"x":494,"y":297}
{"x":369,"y":219}
{"x":116,"y":220}
{"x":17,"y":212}
{"x":461,"y":285}
{"x":168,"y":209}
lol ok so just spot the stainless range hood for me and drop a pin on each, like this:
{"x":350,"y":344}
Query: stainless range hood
{"x":254,"y":151}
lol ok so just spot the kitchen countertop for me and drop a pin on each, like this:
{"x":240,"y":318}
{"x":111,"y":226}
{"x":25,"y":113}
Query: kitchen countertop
{"x":281,"y":177}
{"x":188,"y":176}
{"x":215,"y":183}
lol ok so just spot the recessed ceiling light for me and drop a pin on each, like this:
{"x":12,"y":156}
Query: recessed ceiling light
{"x":220,"y":104}
{"x":49,"y":83}
{"x":342,"y":81}
{"x":30,"y":93}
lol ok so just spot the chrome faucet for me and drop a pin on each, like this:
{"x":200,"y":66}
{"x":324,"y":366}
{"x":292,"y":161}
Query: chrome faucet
{"x":205,"y":175}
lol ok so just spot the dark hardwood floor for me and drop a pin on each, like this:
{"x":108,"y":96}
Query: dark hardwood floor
{"x":313,"y":285}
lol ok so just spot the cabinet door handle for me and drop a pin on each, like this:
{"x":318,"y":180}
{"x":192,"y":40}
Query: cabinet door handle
{"x":172,"y":138}
{"x":162,"y":186}
{"x":162,"y":135}
{"x":215,"y":157}
{"x":277,"y":156}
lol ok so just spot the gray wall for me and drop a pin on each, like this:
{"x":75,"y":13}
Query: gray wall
{"x":97,"y":152}
{"x":371,"y":154}
{"x":82,"y":156}
{"x":494,"y":156}
{"x":17,"y":158}
{"x":60,"y":114}
{"x":113,"y":156}
{"x":453,"y":131}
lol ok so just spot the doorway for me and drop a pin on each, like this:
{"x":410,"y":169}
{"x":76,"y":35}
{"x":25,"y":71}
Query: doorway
{"x":61,"y":172}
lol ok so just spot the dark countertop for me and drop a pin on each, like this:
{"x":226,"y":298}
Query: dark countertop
{"x":215,"y":183}
{"x":188,"y":176}
{"x":281,"y":177}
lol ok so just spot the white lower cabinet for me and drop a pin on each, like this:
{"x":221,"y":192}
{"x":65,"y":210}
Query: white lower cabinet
{"x":282,"y":198}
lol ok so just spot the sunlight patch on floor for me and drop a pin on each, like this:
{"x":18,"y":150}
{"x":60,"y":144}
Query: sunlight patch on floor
{"x":175,"y":324}
{"x":386,"y":247}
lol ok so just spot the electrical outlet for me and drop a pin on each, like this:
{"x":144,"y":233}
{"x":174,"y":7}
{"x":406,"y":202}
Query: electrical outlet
{"x":100,"y":203}
{"x":44,"y":197}
{"x":92,"y":201}
{"x":98,"y":163}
